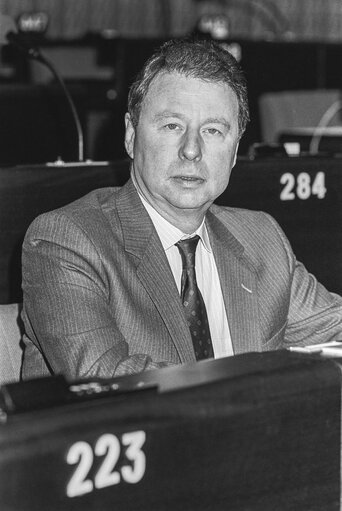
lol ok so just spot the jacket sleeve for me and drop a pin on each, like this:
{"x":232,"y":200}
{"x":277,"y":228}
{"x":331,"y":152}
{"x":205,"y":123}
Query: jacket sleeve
{"x":68,"y":324}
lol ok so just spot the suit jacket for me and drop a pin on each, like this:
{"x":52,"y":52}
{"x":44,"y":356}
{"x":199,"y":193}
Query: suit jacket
{"x":100,"y":298}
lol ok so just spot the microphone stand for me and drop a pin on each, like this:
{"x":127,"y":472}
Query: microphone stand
{"x":43,"y":60}
{"x":322,"y":126}
{"x":35,"y":54}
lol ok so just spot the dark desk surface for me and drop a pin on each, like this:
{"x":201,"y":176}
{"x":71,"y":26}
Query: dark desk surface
{"x":255,"y":432}
{"x":304,"y":196}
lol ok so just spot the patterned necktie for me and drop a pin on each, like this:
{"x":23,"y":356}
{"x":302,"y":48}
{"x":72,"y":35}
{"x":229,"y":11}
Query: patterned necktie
{"x":193,"y":303}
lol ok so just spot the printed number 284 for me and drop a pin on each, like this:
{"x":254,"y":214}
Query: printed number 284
{"x":302,"y":187}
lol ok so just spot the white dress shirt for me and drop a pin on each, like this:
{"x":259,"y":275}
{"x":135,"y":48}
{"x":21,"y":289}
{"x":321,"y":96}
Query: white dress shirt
{"x":206,"y":275}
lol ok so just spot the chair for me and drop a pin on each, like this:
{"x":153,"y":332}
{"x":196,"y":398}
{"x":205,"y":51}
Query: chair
{"x":11,"y":330}
{"x":281,"y":111}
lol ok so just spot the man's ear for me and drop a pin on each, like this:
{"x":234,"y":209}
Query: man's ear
{"x":235,"y":155}
{"x":129,"y":135}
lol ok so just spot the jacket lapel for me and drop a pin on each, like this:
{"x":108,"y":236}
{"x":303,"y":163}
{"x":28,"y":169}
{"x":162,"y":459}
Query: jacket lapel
{"x":153,"y":270}
{"x":239,"y":287}
{"x":237,"y":276}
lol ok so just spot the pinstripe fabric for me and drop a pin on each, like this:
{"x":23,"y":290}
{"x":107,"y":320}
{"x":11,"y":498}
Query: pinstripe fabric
{"x":93,"y":305}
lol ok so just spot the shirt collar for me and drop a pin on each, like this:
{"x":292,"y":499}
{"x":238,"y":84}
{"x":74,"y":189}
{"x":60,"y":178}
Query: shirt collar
{"x":169,"y":234}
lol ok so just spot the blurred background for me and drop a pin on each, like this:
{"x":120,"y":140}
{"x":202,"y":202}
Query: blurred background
{"x":290,"y":50}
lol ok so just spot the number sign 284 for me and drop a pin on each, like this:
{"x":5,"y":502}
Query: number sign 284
{"x":302,"y":186}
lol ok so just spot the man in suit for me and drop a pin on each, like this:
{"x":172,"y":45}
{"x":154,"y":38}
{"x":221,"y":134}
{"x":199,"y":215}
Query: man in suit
{"x":108,"y":287}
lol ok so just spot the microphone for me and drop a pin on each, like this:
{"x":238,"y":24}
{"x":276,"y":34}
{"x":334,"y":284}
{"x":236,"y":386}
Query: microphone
{"x":7,"y":25}
{"x":9,"y":35}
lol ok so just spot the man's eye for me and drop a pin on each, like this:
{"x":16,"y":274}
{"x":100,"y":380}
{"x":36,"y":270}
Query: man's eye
{"x":171,"y":126}
{"x":213,"y":131}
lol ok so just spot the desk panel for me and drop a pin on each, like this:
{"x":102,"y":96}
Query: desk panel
{"x":255,"y":432}
{"x":304,"y":196}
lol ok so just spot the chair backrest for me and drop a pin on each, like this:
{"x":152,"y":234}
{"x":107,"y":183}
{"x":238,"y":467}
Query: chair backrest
{"x":280,"y":111}
{"x":10,"y":342}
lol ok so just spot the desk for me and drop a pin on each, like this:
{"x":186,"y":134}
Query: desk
{"x":327,"y":139}
{"x":254,"y":432}
{"x":304,"y":196}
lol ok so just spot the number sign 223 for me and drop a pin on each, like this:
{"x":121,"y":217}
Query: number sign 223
{"x":108,"y":445}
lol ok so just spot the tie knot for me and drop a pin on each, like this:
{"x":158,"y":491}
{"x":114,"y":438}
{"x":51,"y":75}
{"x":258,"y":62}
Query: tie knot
{"x":187,"y":249}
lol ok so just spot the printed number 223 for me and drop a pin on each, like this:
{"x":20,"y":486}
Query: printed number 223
{"x":109,"y":446}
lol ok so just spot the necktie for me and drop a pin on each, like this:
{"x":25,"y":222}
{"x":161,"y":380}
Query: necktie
{"x":193,"y":303}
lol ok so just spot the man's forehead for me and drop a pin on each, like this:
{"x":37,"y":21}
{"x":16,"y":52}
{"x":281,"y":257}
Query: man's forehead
{"x":174,"y":85}
{"x":172,"y":76}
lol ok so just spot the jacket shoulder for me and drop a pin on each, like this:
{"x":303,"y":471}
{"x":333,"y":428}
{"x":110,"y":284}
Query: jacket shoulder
{"x":86,"y":213}
{"x":258,"y":232}
{"x":239,"y":218}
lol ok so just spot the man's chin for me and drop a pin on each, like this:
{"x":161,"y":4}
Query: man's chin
{"x":191,"y":203}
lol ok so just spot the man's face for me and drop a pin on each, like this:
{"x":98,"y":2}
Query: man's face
{"x":185,"y":144}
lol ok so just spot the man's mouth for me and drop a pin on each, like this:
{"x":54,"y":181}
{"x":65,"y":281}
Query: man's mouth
{"x":189,"y":179}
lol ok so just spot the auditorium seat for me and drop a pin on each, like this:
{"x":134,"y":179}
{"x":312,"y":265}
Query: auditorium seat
{"x":280,"y":111}
{"x":11,"y":330}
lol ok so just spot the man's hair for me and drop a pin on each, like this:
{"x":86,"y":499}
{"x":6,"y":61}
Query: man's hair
{"x":202,"y":59}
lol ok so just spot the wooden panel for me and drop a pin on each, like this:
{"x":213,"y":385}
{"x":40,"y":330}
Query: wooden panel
{"x":255,"y":432}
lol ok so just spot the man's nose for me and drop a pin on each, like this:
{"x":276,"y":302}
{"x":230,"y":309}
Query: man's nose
{"x":191,"y":146}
